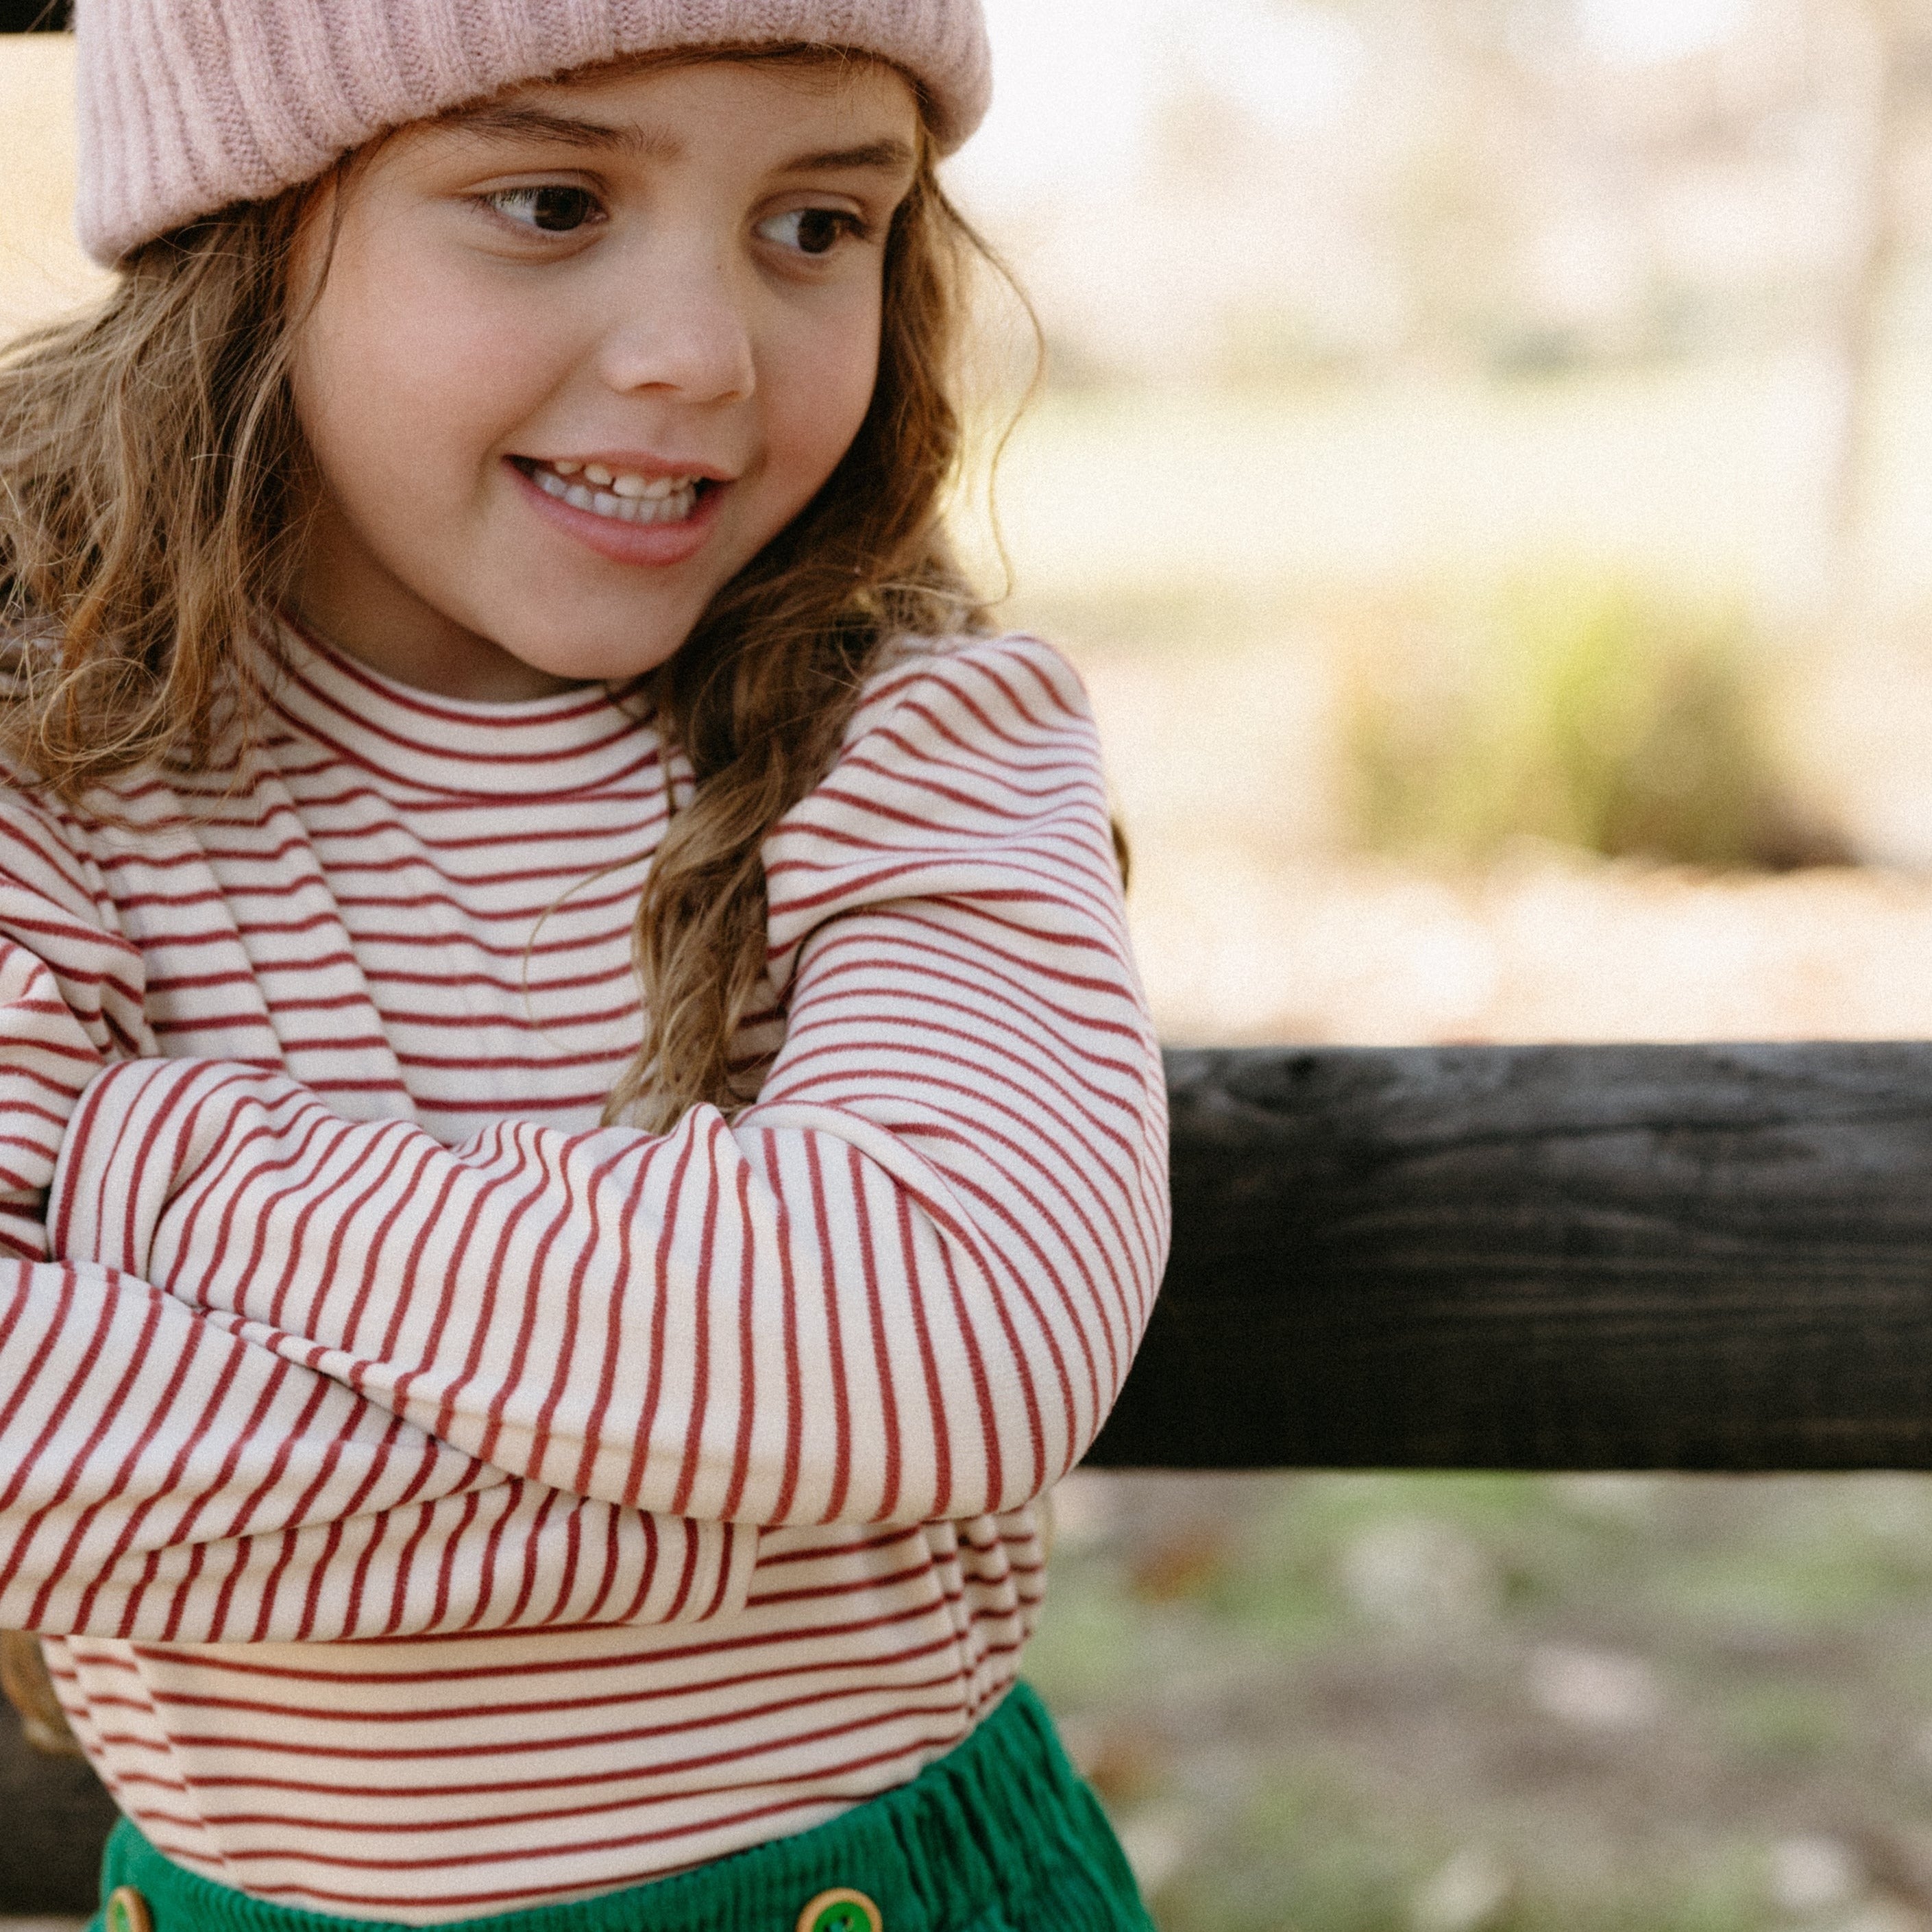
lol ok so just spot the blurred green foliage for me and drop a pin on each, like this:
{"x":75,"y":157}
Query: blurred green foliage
{"x":1580,"y":711}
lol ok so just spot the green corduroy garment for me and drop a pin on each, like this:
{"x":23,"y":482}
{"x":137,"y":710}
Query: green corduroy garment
{"x":1000,"y":1835}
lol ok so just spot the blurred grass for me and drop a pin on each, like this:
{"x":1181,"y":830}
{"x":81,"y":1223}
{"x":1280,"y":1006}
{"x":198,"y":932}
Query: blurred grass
{"x":1700,"y":474}
{"x":1503,"y":1704}
{"x":1624,"y":563}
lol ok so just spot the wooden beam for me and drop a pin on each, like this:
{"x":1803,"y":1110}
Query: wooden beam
{"x":57,"y":1819}
{"x":1544,"y":1257}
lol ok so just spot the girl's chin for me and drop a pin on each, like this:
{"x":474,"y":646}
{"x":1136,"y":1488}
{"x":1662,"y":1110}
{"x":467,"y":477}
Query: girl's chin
{"x":566,"y":645}
{"x":643,"y":546}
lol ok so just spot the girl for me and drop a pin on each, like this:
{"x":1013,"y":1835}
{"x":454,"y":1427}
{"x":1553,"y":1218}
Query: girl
{"x":580,"y":1136}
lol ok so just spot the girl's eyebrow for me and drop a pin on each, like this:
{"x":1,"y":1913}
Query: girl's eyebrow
{"x":505,"y":121}
{"x":891,"y":156}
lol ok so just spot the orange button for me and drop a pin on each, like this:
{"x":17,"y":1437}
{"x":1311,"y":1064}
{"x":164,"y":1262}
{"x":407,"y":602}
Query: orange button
{"x":841,"y":1911}
{"x":128,"y":1911}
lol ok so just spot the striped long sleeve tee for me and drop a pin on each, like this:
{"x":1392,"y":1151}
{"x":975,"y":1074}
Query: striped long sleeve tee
{"x":436,"y":1502}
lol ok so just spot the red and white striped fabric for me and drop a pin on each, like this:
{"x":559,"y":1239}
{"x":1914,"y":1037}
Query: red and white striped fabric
{"x":439,"y":1504}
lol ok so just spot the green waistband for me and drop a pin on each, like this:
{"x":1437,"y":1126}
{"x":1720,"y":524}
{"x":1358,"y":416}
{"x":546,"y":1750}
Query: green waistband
{"x":1000,"y":1835}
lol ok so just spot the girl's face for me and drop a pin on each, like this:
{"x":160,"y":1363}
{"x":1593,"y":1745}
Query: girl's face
{"x":579,"y":354}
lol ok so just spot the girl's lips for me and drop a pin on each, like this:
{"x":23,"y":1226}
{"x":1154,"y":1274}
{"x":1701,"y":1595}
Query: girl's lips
{"x":651,"y":545}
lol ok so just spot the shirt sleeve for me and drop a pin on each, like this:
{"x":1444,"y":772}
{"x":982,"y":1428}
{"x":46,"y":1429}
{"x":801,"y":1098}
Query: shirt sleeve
{"x":164,"y":1477}
{"x":905,"y":1285}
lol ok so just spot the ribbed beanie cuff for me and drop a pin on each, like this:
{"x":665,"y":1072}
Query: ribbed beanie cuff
{"x":187,"y":105}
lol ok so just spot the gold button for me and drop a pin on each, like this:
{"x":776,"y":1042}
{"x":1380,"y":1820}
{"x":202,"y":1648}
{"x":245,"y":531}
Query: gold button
{"x":128,"y":1911}
{"x":841,"y":1911}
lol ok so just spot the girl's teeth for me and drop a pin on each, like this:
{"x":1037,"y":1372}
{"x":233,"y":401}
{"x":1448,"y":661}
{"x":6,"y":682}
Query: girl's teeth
{"x":596,"y":472}
{"x":628,"y":499}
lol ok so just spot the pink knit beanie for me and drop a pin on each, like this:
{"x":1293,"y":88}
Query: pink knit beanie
{"x":187,"y":106}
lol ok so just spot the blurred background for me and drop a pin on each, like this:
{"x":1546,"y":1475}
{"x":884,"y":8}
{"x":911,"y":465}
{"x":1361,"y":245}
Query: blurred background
{"x":1484,"y":469}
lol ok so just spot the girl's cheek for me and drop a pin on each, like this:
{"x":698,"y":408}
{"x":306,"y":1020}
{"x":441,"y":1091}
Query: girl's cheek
{"x":833,"y":376}
{"x":419,"y":342}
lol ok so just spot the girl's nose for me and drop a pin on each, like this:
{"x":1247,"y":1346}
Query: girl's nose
{"x":682,"y":326}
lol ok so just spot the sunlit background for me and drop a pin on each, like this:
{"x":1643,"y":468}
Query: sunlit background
{"x":1484,"y":470}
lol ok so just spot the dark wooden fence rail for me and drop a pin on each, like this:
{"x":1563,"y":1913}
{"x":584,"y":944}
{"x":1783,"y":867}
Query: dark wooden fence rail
{"x":33,"y":16}
{"x":1544,"y":1257}
{"x":1512,"y":1258}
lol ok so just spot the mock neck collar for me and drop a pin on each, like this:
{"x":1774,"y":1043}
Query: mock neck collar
{"x":574,"y":741}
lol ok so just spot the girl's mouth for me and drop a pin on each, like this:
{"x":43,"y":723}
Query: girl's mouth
{"x":620,"y":497}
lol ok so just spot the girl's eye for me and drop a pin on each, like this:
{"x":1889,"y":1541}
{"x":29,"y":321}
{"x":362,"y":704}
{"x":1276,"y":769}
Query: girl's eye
{"x":811,"y":231}
{"x":555,"y":211}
